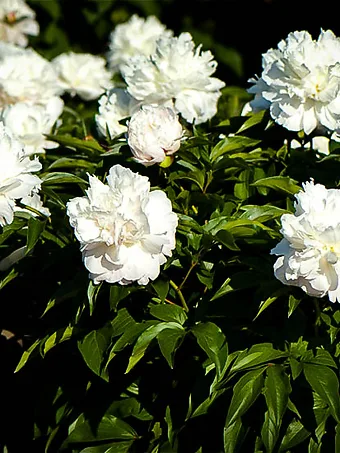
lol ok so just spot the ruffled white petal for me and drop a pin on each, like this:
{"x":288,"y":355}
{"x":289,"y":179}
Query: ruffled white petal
{"x":309,"y":253}
{"x":125,"y":231}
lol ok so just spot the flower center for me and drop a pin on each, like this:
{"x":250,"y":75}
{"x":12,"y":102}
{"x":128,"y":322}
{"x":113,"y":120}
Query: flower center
{"x":331,"y":255}
{"x":129,"y":233}
{"x":11,"y":17}
{"x":315,"y":84}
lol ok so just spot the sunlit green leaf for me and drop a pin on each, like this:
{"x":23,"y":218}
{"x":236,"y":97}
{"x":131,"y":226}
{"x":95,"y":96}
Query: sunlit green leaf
{"x":169,"y":341}
{"x":281,"y":183}
{"x":145,"y":339}
{"x":212,"y":340}
{"x":245,"y":392}
{"x":276,"y":392}
{"x":325,"y":383}
{"x":108,"y":428}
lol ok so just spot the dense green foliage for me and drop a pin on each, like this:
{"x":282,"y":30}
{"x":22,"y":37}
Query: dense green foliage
{"x":216,"y":355}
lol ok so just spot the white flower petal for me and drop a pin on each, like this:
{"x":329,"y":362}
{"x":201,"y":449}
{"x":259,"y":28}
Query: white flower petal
{"x":115,"y":223}
{"x":308,"y":256}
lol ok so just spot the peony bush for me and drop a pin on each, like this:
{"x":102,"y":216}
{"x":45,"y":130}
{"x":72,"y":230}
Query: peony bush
{"x":170,"y":238}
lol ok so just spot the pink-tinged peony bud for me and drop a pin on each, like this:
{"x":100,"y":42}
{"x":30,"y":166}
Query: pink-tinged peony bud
{"x":154,"y":132}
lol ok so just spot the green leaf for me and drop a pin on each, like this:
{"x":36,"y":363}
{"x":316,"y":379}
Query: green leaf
{"x":32,"y":350}
{"x":232,"y":144}
{"x":93,"y":348}
{"x":120,"y":447}
{"x":280,"y":183}
{"x":131,"y":333}
{"x":169,"y":341}
{"x":57,"y":177}
{"x":256,"y":355}
{"x":108,"y":429}
{"x":66,"y":162}
{"x":91,"y":147}
{"x":61,"y":335}
{"x":161,"y":286}
{"x":276,"y":392}
{"x":128,"y":328}
{"x":244,"y":227}
{"x":321,"y":357}
{"x":203,"y":407}
{"x":337,"y":437}
{"x":295,"y":366}
{"x":241,"y":188}
{"x":324,"y":382}
{"x":296,"y":433}
{"x":122,"y":321}
{"x":225,"y":288}
{"x":115,"y":447}
{"x":245,"y":393}
{"x":213,"y":342}
{"x":198,"y":177}
{"x":261,"y":213}
{"x":145,"y":339}
{"x":170,"y":312}
{"x":293,"y":303}
{"x":187,"y":223}
{"x":35,"y":228}
{"x":232,"y":434}
{"x":253,"y":120}
{"x":265,"y":304}
{"x":92,"y":294}
{"x":118,"y":293}
{"x":227,"y":239}
{"x":9,"y":277}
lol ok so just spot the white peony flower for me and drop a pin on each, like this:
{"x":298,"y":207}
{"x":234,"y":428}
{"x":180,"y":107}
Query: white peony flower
{"x":16,"y":178}
{"x":176,"y":70}
{"x":7,"y":49}
{"x":300,"y":82}
{"x":33,"y":201}
{"x":153,"y":133}
{"x":125,"y":231}
{"x":27,"y":77}
{"x":17,"y":20}
{"x":82,"y":74}
{"x":310,"y":249}
{"x":317,"y":143}
{"x":137,"y":36}
{"x":114,"y":106}
{"x":29,"y":123}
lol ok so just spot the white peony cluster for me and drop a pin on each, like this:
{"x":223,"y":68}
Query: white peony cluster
{"x":179,"y":72}
{"x":17,"y":20}
{"x":137,"y":36}
{"x":300,"y":82}
{"x":30,"y":96}
{"x":125,"y":230}
{"x":31,"y":122}
{"x":82,"y":74}
{"x":154,"y":132}
{"x":114,"y":106}
{"x":27,"y":76}
{"x":16,"y":179}
{"x":309,"y":253}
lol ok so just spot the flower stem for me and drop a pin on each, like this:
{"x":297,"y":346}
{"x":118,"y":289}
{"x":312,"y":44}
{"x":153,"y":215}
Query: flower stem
{"x":193,"y":264}
{"x":317,"y":316}
{"x":180,"y":295}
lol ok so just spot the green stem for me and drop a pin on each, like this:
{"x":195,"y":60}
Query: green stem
{"x":193,"y":264}
{"x":317,"y":316}
{"x":180,"y":295}
{"x":29,"y":208}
